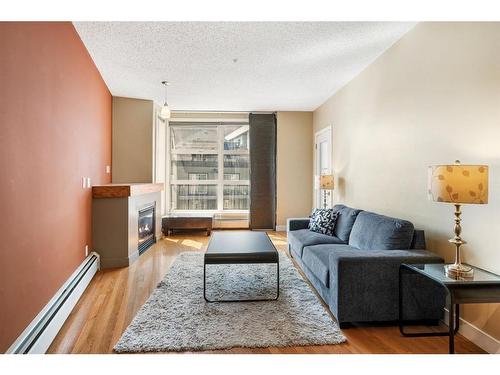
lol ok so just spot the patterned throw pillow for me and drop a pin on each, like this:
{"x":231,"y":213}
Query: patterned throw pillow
{"x":323,"y":221}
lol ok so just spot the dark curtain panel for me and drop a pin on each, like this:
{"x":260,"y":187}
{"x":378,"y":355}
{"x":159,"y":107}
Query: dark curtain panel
{"x":262,"y":171}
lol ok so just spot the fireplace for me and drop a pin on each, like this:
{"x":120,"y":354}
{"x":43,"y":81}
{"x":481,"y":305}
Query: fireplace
{"x":126,"y":221}
{"x":146,"y":221}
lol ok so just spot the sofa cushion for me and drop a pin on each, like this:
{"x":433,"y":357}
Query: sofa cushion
{"x":295,"y":253}
{"x":323,"y":221}
{"x":317,"y":259}
{"x":298,"y":239}
{"x":345,"y":220}
{"x":377,"y":232}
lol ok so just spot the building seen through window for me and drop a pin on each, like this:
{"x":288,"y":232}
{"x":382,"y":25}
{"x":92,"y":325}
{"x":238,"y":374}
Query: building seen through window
{"x":209,"y":167}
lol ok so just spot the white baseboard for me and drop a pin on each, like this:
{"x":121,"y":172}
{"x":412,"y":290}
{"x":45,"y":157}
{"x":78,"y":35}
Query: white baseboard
{"x":477,"y":336}
{"x":280,"y":228}
{"x":40,"y":333}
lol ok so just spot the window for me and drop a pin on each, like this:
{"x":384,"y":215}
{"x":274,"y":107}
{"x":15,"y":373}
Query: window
{"x":198,"y":176}
{"x":198,"y":189}
{"x":231,"y":176}
{"x":236,"y":197}
{"x":209,"y":167}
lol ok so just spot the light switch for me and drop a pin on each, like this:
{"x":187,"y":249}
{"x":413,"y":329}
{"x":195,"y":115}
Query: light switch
{"x":89,"y":183}
{"x":84,"y":182}
{"x":108,"y":169}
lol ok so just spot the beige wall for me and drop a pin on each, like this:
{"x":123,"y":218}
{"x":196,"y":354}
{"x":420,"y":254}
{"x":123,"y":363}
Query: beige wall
{"x":132,"y":140}
{"x":431,"y":98}
{"x":294,"y":165}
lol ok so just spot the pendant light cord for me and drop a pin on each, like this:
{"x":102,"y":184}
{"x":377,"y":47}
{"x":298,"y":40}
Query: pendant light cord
{"x":165,"y":83}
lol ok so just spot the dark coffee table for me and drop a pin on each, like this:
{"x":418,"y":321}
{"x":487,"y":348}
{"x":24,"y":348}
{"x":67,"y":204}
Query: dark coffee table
{"x":240,"y":247}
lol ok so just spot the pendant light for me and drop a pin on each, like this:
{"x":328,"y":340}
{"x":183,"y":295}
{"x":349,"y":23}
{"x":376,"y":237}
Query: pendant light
{"x":165,"y":110}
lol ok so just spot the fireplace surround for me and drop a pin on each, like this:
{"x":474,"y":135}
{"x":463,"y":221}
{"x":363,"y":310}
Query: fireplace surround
{"x":126,"y":221}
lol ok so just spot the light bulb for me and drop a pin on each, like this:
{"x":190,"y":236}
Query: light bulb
{"x":165,"y":112}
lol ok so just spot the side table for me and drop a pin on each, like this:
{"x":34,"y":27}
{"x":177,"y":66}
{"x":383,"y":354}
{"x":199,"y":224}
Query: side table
{"x":484,"y":287}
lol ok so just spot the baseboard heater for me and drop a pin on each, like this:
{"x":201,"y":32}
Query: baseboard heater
{"x":38,"y":336}
{"x":230,"y":221}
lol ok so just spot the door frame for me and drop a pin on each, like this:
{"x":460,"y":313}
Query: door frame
{"x":317,"y":198}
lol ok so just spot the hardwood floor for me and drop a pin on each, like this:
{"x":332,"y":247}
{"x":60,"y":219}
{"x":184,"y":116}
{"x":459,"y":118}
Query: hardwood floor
{"x":114,"y":297}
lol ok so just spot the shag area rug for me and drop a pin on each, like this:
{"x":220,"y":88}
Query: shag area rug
{"x":177,"y":318}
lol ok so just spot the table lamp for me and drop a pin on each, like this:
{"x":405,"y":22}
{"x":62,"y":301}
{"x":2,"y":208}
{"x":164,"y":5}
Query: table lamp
{"x":458,"y":184}
{"x":326,"y":184}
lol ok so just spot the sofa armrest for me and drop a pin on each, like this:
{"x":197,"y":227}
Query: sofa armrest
{"x":372,"y":266}
{"x":365,"y":285}
{"x":418,"y":240}
{"x":297,"y":223}
{"x":379,"y":257}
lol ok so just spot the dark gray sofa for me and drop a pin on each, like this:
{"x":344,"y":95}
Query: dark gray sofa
{"x":356,"y":271}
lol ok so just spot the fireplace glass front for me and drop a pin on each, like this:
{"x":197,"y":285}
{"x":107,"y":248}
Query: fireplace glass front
{"x":147,"y":221}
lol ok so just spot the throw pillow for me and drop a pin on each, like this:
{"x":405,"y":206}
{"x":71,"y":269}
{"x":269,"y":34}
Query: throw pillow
{"x":323,"y":221}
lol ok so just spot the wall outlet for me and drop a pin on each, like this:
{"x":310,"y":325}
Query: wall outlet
{"x":108,"y":169}
{"x":86,"y":250}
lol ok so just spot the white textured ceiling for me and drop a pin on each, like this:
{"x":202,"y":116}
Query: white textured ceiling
{"x":280,"y":65}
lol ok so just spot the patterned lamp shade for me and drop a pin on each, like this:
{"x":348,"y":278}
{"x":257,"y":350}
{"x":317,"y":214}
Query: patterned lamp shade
{"x":326,"y":182}
{"x":458,"y":183}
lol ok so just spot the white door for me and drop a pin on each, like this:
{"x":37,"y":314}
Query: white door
{"x":323,"y":162}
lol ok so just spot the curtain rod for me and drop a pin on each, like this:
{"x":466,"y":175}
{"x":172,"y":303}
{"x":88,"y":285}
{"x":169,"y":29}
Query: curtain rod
{"x":233,"y":112}
{"x":208,"y":111}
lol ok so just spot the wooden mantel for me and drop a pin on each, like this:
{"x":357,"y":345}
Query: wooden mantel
{"x":124,"y":190}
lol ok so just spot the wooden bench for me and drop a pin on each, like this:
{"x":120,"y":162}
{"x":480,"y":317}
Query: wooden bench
{"x":171,"y":222}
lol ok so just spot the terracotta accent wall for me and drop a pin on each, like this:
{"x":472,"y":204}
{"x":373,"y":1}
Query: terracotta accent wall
{"x":55,"y":128}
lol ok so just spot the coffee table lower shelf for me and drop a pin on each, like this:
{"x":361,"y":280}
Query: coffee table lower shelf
{"x":240,"y":300}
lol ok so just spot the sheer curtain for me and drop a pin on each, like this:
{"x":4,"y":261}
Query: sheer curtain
{"x":160,"y":157}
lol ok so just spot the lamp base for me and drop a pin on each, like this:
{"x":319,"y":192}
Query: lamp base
{"x":458,"y":271}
